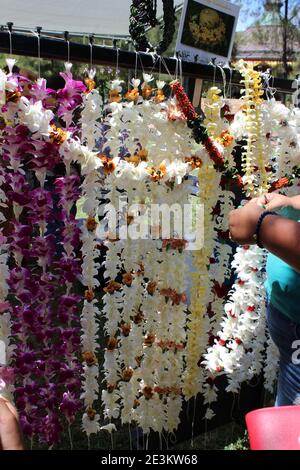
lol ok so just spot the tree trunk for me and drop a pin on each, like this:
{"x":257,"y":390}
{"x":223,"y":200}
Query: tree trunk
{"x":285,"y":39}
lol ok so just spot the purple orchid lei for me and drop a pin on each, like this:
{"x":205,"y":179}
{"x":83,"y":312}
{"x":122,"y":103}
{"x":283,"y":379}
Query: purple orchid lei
{"x":45,"y":313}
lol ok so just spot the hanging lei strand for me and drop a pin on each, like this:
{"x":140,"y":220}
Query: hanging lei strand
{"x":194,"y":121}
{"x":90,"y":188}
{"x":59,"y":321}
{"x":147,"y":390}
{"x":217,"y":120}
{"x":29,"y":321}
{"x":131,"y":331}
{"x":199,"y":321}
{"x":9,"y":88}
{"x":253,"y":156}
{"x":112,"y":299}
{"x":172,"y":339}
{"x":6,"y":373}
{"x":67,"y":189}
{"x":208,"y":179}
{"x":233,"y":351}
{"x":15,"y":145}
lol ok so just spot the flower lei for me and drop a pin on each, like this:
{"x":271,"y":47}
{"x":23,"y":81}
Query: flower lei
{"x":199,"y":321}
{"x":242,"y":329}
{"x":34,"y":143}
{"x":90,"y":266}
{"x":254,"y":155}
{"x":6,"y":374}
{"x":195,"y":122}
{"x":141,"y":334}
{"x":209,"y":179}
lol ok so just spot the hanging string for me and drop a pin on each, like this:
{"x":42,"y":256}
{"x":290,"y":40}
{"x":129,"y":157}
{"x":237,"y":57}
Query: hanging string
{"x":166,"y":68}
{"x":37,"y":35}
{"x":224,"y":80}
{"x":39,"y":50}
{"x":166,"y":439}
{"x":172,"y":437}
{"x":66,"y":34}
{"x":229,"y":91}
{"x":141,"y":62}
{"x":91,"y":39}
{"x":155,"y":58}
{"x":130,"y":437}
{"x":193,"y":421}
{"x":137,"y":438}
{"x":213,"y":63}
{"x":136,"y":64}
{"x":10,"y":42}
{"x":273,"y":90}
{"x":176,"y":68}
{"x":159,"y":68}
{"x":117,"y":65}
{"x":180,"y":70}
{"x":70,"y":437}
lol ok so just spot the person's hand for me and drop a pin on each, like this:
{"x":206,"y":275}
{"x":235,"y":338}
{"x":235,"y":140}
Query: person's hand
{"x":273,"y":201}
{"x":10,"y":434}
{"x":242,"y":223}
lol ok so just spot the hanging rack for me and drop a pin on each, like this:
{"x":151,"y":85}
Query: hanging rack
{"x":53,"y":48}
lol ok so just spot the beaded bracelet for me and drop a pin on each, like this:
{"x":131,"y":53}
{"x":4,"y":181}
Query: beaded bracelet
{"x":258,"y":227}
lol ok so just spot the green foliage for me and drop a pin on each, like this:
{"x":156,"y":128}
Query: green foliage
{"x":242,"y":443}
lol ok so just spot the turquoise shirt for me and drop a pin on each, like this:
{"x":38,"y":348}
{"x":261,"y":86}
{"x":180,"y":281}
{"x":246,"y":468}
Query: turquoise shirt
{"x":283,"y":282}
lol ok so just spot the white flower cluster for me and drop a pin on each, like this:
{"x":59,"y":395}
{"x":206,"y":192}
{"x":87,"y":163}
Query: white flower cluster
{"x":35,"y":116}
{"x":242,"y":329}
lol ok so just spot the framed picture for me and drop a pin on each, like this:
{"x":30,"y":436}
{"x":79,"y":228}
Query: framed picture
{"x":206,"y":30}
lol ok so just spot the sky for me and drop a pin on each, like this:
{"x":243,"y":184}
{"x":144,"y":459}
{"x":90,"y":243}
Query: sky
{"x":101,"y":16}
{"x":245,"y":18}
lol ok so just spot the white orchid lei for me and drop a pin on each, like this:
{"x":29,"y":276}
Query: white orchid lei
{"x":218,"y":127}
{"x":147,"y":162}
{"x":91,"y":186}
{"x":237,"y":331}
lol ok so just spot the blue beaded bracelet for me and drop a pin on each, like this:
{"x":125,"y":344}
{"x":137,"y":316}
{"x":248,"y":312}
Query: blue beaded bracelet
{"x":258,"y":226}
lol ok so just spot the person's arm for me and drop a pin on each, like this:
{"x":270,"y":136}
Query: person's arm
{"x":10,"y":434}
{"x":295,"y":202}
{"x":281,"y":237}
{"x":278,"y":235}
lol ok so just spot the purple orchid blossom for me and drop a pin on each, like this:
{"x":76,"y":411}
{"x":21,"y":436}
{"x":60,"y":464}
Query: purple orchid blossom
{"x":45,"y":312}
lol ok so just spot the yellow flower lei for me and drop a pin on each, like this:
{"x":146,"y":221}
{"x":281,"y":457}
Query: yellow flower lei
{"x":212,"y":110}
{"x":254,"y":149}
{"x":208,"y":181}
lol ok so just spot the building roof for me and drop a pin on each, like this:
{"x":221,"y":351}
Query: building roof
{"x":264,"y":39}
{"x":271,"y":16}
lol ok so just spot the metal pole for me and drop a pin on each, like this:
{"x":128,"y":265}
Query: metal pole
{"x":52,"y":48}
